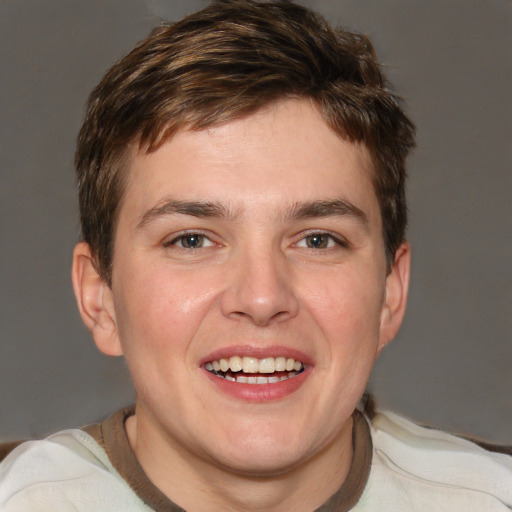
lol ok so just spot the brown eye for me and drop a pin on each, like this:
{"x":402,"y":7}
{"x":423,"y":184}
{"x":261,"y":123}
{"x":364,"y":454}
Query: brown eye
{"x":321,"y":240}
{"x":192,"y":241}
{"x":318,"y":241}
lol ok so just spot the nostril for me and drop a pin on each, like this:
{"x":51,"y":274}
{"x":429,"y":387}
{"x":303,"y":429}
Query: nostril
{"x":261,"y":319}
{"x":259,"y":291}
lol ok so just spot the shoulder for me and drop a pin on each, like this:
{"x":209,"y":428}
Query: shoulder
{"x":436,"y":470}
{"x":66,"y":471}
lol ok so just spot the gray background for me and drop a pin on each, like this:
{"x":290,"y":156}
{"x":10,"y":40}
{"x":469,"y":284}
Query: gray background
{"x":451,"y":60}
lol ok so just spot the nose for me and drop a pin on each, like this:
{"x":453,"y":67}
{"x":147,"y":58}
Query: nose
{"x":260,"y":289}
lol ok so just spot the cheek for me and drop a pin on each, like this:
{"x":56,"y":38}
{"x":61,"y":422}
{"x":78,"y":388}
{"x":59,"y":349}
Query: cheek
{"x":162,"y":309}
{"x":351,"y":299}
{"x":346,"y":305}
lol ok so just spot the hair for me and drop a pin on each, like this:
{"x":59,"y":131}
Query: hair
{"x":225,"y":62}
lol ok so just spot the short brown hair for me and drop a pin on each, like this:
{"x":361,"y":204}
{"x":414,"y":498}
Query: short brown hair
{"x":222,"y":63}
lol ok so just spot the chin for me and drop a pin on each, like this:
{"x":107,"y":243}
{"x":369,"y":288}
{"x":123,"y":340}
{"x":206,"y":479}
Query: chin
{"x":260,"y":451}
{"x":263,"y":465}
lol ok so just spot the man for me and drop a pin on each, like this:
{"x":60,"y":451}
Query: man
{"x":241,"y":184}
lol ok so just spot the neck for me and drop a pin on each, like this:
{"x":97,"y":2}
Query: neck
{"x":197,"y":484}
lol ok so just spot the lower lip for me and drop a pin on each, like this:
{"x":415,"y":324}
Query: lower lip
{"x":259,"y":392}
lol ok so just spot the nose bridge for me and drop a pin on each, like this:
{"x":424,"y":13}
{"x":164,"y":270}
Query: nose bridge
{"x":259,"y":285}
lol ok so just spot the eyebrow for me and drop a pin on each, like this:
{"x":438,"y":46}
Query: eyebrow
{"x":192,"y":208}
{"x":327,"y":208}
{"x":299,"y":210}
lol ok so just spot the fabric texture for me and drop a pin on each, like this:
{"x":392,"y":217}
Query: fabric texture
{"x":111,"y":435}
{"x":397,"y":466}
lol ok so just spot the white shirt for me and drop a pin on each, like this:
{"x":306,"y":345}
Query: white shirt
{"x":413,"y":469}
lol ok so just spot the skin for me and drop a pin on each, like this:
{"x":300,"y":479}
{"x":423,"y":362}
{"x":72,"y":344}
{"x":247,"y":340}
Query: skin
{"x":256,"y":285}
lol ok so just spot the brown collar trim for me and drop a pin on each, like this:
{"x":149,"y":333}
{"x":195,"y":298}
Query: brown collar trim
{"x":111,"y":435}
{"x":117,"y":446}
{"x":353,"y":487}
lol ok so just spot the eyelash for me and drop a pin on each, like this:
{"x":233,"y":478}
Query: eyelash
{"x":336,"y":239}
{"x":331,"y":239}
{"x":174,"y":241}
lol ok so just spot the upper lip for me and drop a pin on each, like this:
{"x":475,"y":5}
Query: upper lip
{"x":257,"y":351}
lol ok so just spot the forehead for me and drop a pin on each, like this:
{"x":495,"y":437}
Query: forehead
{"x":282,"y":154}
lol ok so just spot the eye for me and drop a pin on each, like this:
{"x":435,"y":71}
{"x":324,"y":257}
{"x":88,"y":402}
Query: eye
{"x":191,"y":241}
{"x":320,"y":241}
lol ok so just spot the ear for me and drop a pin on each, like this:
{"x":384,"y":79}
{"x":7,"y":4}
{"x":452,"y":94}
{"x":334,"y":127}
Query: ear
{"x":95,"y":301}
{"x":397,"y":286}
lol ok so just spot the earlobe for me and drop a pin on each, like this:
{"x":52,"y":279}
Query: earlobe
{"x":397,"y":286}
{"x":95,"y":301}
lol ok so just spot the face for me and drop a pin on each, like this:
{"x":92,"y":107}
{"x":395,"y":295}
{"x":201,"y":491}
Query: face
{"x":250,"y":293}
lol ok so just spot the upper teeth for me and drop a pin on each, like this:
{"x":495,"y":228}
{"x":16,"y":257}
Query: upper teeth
{"x":254,"y":365}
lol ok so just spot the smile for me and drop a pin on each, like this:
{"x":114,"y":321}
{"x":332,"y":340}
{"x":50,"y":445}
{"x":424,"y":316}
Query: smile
{"x":251,"y":370}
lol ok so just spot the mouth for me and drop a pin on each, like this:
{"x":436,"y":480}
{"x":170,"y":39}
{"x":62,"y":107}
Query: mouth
{"x":251,"y":370}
